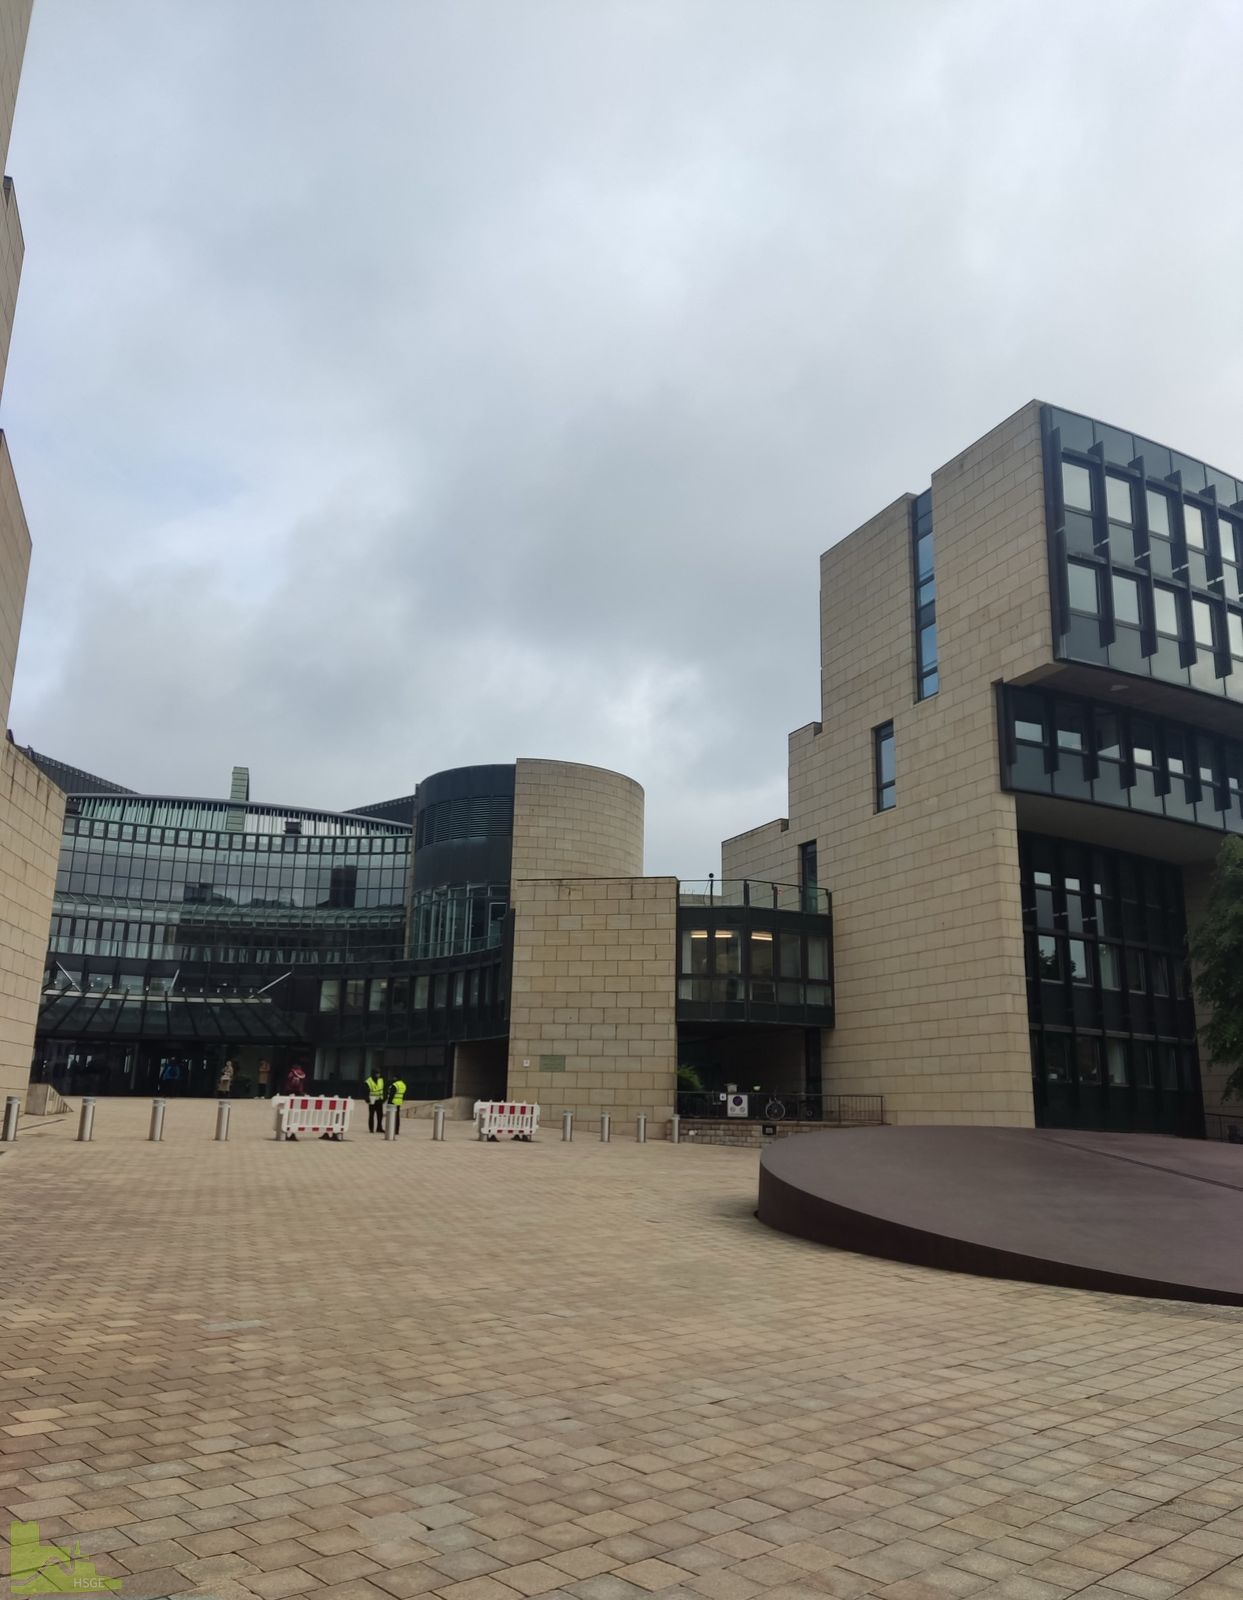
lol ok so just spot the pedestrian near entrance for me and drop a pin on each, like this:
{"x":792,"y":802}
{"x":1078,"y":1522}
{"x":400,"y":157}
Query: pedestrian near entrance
{"x":375,"y":1105}
{"x":224,"y":1083}
{"x":263,"y":1080}
{"x":295,"y":1080}
{"x":396,"y":1094}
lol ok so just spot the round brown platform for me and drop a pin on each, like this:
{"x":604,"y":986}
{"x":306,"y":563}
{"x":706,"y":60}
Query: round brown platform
{"x":1129,"y":1213}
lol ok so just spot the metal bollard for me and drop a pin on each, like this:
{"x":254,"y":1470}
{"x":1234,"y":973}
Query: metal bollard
{"x":223,"y":1112}
{"x":640,"y":1129}
{"x":86,"y":1121}
{"x":156,"y":1131}
{"x":12,"y":1110}
{"x":390,"y":1121}
{"x":567,"y":1126}
{"x":438,"y":1124}
{"x":606,"y":1127}
{"x":675,"y":1129}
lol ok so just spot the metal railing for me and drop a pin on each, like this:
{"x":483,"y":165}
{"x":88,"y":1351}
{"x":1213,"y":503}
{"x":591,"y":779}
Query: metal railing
{"x":1224,"y":1125}
{"x":756,"y":893}
{"x":840,"y":1110}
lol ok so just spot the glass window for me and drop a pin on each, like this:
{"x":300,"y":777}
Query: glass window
{"x":1111,"y":967}
{"x":1142,"y":745}
{"x":1126,"y":599}
{"x":728,"y":950}
{"x":817,"y":957}
{"x":1118,"y":498}
{"x":354,"y":994}
{"x":1165,"y":606}
{"x":1047,"y":956}
{"x":1069,"y":725}
{"x":330,"y":994}
{"x":1234,"y":627}
{"x":791,"y":956}
{"x":1088,"y":1060}
{"x":885,"y":767}
{"x":923,"y":556}
{"x":761,"y":953}
{"x":1076,"y":486}
{"x":420,"y":993}
{"x":1080,"y":967}
{"x":1193,"y":524}
{"x":1116,"y":1063}
{"x":1158,"y":513}
{"x":377,"y":994}
{"x":459,"y":988}
{"x":695,"y":951}
{"x":1084,"y":589}
{"x":1202,"y":621}
{"x":1136,"y":981}
{"x":1106,"y":734}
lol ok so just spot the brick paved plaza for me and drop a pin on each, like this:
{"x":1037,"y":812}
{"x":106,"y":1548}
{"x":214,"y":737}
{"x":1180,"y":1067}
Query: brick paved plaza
{"x":371,"y":1372}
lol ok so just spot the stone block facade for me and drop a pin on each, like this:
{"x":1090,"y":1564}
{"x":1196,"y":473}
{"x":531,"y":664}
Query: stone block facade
{"x":593,"y":1019}
{"x":31,"y":816}
{"x":928,"y":943}
{"x":575,"y":821}
{"x":31,"y":807}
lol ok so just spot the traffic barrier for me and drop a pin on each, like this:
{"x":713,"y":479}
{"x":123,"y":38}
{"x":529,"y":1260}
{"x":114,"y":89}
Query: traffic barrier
{"x":325,"y":1115}
{"x":223,"y":1112}
{"x":567,"y":1126}
{"x":438,"y":1124}
{"x":390,"y":1121}
{"x":675,"y":1129}
{"x":86,"y":1120}
{"x":502,"y":1119}
{"x":640,"y":1129}
{"x":12,"y":1111}
{"x":606,"y":1128}
{"x":156,"y":1131}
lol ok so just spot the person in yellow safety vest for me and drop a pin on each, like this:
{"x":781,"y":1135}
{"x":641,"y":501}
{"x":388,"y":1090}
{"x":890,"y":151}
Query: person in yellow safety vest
{"x":396,"y":1094}
{"x":375,"y":1105}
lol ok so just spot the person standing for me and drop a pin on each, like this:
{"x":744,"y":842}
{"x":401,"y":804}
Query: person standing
{"x":224,"y":1083}
{"x":375,"y":1104}
{"x":263,"y":1080}
{"x":295,"y":1080}
{"x":396,"y":1094}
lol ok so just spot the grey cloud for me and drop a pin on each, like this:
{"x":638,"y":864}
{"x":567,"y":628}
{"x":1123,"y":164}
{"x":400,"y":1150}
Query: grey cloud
{"x":410,"y":383}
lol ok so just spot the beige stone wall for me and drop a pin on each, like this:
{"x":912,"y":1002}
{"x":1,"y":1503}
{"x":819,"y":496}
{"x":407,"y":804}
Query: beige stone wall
{"x":594,"y":988}
{"x":14,"y":23}
{"x":14,"y":566}
{"x":31,"y":808}
{"x":31,"y":815}
{"x":768,"y":853}
{"x":572,"y":821}
{"x":928,"y":946}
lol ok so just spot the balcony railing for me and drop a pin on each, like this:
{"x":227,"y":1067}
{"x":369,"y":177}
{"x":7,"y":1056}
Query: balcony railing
{"x":841,"y":1110}
{"x":755,"y":892}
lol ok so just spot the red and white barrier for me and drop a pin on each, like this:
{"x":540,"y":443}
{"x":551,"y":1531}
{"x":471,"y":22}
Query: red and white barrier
{"x":506,"y":1119}
{"x":311,"y":1113}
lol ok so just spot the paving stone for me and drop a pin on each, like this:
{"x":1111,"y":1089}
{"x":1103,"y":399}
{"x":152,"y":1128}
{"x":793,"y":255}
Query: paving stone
{"x":669,"y":1400}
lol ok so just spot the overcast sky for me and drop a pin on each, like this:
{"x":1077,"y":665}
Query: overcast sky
{"x":410,"y":383}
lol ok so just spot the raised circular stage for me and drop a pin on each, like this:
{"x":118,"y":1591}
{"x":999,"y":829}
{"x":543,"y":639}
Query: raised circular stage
{"x":1127,"y":1213}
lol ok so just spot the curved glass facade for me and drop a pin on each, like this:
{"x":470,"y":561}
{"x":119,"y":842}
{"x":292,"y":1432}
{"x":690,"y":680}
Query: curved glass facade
{"x":1109,"y":993}
{"x":1078,"y":749}
{"x":1146,"y":557}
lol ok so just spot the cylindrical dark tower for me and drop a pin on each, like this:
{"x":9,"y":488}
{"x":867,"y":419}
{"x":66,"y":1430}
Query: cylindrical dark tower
{"x":460,"y":865}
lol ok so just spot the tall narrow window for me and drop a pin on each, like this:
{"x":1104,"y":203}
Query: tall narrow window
{"x":927,"y":665}
{"x":808,"y":874}
{"x":886,"y":783}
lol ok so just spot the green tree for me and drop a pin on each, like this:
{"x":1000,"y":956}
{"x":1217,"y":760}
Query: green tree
{"x":1217,"y":950}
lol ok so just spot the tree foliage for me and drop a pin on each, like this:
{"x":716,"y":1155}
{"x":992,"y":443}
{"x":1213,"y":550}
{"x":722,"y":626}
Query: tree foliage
{"x":1217,"y":950}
